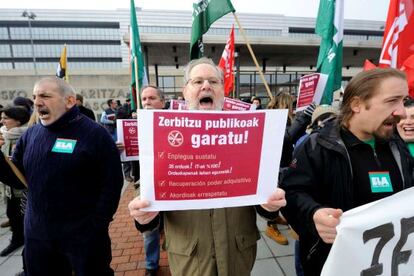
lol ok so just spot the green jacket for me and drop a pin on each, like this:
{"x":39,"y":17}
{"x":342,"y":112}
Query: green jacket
{"x":211,"y":242}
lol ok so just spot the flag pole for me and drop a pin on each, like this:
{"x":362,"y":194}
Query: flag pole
{"x":269,"y":93}
{"x":66,"y":69}
{"x":234,"y":86}
{"x":16,"y":171}
{"x":137,"y":98}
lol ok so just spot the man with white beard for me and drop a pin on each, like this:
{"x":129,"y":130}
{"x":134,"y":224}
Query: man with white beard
{"x":211,"y":241}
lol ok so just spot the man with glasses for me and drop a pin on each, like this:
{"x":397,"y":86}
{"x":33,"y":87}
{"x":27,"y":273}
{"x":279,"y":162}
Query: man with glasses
{"x":211,"y":241}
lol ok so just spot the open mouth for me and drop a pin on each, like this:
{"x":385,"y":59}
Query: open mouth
{"x":42,"y":113}
{"x":408,"y":130}
{"x":206,"y":101}
{"x":391,"y":122}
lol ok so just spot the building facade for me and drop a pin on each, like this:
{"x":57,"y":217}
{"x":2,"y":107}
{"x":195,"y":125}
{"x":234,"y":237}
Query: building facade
{"x":97,"y":47}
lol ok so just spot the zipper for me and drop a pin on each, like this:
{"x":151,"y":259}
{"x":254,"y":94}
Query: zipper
{"x":376,"y":158}
{"x":312,"y":250}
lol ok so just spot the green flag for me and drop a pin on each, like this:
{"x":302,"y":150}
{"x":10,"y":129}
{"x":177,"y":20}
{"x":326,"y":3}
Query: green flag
{"x":205,"y":12}
{"x":329,"y":25}
{"x":136,"y":59}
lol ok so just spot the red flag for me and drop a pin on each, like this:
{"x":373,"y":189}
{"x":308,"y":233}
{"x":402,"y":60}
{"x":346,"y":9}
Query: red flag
{"x":368,"y":65}
{"x":398,"y":41}
{"x":226,"y":63}
{"x":408,"y":67}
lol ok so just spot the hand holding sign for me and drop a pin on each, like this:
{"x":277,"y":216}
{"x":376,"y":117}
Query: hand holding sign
{"x":276,"y":201}
{"x":326,"y":220}
{"x":143,"y":217}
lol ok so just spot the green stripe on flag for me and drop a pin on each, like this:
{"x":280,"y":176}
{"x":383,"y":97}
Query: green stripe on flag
{"x":329,"y":26}
{"x":205,"y":12}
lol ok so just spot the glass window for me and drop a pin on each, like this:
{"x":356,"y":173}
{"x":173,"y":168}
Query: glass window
{"x":6,"y":66}
{"x":283,"y":78}
{"x":3,"y":33}
{"x":5,"y":51}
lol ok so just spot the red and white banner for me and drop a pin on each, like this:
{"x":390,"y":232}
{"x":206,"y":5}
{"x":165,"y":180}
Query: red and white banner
{"x":236,"y":105}
{"x":311,"y":89}
{"x":226,"y":64}
{"x":127,"y":133}
{"x":201,"y":160}
{"x":375,"y":239}
{"x":398,"y":41}
{"x":177,"y":105}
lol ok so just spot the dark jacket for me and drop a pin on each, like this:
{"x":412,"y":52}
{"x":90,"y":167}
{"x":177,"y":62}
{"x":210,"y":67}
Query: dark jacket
{"x":320,"y":175}
{"x":87,"y":112}
{"x":292,"y":134}
{"x":71,"y":195}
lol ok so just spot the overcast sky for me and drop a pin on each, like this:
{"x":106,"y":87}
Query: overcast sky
{"x":354,"y":9}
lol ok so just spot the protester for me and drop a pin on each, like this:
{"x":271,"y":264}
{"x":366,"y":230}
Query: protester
{"x":74,"y":176}
{"x":283,"y":100}
{"x":295,"y":128}
{"x":83,"y":109}
{"x":257,"y":102}
{"x":331,"y":171}
{"x":25,"y":102}
{"x":127,"y":107}
{"x":406,"y":126}
{"x":211,"y":241}
{"x":108,"y":118}
{"x":320,"y":116}
{"x":151,"y":98}
{"x":14,"y":120}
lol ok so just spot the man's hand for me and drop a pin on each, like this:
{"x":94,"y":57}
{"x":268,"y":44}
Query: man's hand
{"x":143,"y":217}
{"x":276,"y":201}
{"x":326,"y":220}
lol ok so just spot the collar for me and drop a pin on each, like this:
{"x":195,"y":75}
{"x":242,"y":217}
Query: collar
{"x":67,"y":118}
{"x":350,"y":140}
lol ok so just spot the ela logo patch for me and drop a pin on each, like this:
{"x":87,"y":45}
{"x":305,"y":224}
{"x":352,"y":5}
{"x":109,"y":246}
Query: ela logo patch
{"x":64,"y":145}
{"x":380,"y":182}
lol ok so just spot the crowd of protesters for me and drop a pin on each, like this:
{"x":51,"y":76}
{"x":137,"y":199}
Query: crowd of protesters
{"x":73,"y":177}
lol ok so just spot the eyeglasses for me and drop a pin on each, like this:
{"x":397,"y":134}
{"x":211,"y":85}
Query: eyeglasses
{"x":198,"y":82}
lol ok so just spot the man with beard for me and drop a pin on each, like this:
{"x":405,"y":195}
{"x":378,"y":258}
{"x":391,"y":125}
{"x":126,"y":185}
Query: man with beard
{"x":335,"y":169}
{"x":74,"y":178}
{"x":210,"y":241}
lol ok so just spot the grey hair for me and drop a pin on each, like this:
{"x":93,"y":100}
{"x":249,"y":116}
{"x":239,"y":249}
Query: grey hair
{"x":199,"y":61}
{"x":64,"y":88}
{"x":160,"y":93}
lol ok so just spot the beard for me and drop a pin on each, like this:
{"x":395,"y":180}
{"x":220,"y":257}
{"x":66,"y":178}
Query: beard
{"x":387,"y":128}
{"x":383,"y":134}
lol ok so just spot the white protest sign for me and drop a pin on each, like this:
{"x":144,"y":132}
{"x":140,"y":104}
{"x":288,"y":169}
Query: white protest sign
{"x":201,"y":160}
{"x":375,"y":239}
{"x":127,"y":133}
{"x":311,"y":89}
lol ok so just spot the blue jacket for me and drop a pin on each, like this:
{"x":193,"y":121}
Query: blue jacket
{"x":70,"y":194}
